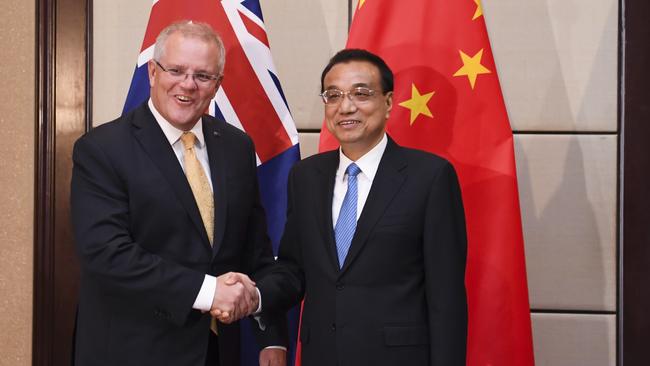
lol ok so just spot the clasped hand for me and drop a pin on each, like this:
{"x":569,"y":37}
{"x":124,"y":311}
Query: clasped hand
{"x":235,"y":297}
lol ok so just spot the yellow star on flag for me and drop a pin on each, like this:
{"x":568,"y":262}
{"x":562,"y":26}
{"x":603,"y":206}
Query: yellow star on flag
{"x":418,"y":103}
{"x":472,"y":67}
{"x":361,"y":2}
{"x":479,"y":9}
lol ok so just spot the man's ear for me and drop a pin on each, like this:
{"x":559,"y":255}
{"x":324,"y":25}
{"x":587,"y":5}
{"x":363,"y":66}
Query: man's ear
{"x":151,"y":70}
{"x":389,"y":102}
{"x":219,"y":81}
{"x":218,"y":84}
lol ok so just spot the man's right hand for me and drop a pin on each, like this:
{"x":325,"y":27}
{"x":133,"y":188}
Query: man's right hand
{"x":235,"y":297}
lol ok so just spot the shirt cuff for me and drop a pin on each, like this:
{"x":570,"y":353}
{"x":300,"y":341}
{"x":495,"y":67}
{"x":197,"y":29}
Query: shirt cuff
{"x":256,"y":315}
{"x":205,"y":297}
{"x":259,"y":305}
{"x":277,"y":347}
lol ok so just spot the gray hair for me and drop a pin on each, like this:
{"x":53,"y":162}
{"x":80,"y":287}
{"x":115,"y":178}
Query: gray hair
{"x":189,"y":28}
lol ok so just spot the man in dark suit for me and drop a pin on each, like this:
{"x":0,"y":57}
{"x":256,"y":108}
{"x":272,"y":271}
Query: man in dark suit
{"x":164,"y":204}
{"x":375,"y":238}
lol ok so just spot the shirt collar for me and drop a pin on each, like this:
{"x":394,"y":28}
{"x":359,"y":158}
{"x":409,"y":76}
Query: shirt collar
{"x":172,"y":133}
{"x":368,"y":163}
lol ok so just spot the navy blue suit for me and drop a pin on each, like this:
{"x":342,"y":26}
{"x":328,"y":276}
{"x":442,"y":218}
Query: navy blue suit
{"x":144,"y":250}
{"x":400,"y":296}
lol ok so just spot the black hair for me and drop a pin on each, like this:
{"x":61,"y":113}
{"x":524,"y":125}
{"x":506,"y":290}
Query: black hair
{"x":357,"y":54}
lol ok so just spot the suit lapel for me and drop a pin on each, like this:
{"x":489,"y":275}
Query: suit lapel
{"x":154,"y":142}
{"x":388,"y":181}
{"x":325,"y":192}
{"x":216,"y":155}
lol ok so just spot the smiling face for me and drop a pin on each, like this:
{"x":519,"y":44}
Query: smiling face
{"x":182,"y":101}
{"x":358,"y":126}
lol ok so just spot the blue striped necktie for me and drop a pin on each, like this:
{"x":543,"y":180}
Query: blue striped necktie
{"x":347,"y":221}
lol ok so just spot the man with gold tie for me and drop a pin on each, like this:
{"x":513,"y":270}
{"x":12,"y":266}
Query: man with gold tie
{"x":165,"y":205}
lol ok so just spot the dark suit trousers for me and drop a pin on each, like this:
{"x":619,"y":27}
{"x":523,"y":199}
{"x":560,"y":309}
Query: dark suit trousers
{"x":212,"y":358}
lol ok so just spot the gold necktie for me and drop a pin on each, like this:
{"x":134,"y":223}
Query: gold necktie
{"x":199,"y":183}
{"x":201,"y":190}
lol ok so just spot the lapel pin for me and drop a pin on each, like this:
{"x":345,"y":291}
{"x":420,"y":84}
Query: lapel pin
{"x":215,"y":133}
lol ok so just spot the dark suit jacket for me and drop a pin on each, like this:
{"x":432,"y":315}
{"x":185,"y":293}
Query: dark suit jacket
{"x":400,"y":297}
{"x":144,"y":250}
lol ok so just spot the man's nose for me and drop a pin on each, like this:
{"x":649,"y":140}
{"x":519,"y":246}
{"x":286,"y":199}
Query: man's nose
{"x":188,"y":82}
{"x":347,"y":105}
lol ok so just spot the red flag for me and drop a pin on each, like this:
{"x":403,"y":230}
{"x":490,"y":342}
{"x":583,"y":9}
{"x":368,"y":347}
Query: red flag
{"x":448,"y":101}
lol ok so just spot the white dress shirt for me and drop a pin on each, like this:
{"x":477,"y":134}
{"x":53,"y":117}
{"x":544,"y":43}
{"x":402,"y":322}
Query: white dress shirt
{"x":206,"y":293}
{"x":368,"y":163}
{"x":205,"y":296}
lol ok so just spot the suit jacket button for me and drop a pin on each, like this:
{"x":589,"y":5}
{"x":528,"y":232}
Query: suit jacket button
{"x":333,"y":327}
{"x":339,"y":286}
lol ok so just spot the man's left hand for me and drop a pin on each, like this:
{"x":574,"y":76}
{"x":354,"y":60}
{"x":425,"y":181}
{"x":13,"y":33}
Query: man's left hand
{"x":273,"y":357}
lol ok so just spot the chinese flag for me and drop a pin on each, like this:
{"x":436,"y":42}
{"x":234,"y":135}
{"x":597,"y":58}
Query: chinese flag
{"x":448,"y":101}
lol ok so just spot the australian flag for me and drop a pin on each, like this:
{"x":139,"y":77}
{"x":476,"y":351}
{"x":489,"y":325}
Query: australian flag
{"x":249,"y":98}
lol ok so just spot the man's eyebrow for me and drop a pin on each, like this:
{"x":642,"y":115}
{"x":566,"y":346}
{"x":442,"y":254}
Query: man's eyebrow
{"x":356,"y":85}
{"x":204,"y":71}
{"x":185,"y":68}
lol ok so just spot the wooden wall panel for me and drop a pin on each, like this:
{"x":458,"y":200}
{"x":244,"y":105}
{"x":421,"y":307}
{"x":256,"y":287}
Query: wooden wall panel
{"x":635,"y":206}
{"x":62,"y":92}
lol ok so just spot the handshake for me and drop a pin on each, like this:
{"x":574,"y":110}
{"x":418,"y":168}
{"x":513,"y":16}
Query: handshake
{"x":234,"y":298}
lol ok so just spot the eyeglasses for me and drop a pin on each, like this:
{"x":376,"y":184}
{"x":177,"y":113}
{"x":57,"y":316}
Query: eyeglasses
{"x":356,"y":95}
{"x":200,"y":77}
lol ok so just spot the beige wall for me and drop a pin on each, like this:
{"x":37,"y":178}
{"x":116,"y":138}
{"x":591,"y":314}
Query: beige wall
{"x":557,"y":61}
{"x":17,"y":123}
